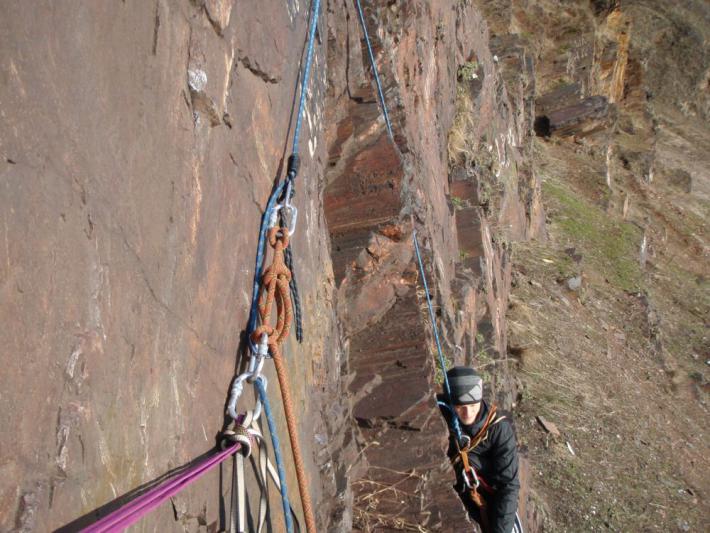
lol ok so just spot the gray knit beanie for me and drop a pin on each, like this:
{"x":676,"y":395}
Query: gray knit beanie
{"x":466,"y":386}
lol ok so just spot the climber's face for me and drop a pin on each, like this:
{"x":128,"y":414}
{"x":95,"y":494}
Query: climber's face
{"x":468,"y":413}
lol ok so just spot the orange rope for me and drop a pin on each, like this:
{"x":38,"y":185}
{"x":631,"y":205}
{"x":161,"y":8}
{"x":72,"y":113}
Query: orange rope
{"x":463,"y":456}
{"x":275,"y":286}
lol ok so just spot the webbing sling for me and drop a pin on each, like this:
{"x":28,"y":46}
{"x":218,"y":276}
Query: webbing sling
{"x":263,"y":470}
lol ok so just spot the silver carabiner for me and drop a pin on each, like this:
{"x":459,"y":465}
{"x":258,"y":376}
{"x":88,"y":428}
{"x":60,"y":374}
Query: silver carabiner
{"x":253,"y":372}
{"x":235,"y":393}
{"x":471,"y":484}
{"x":291,"y":217}
{"x":274,"y":216}
{"x":256,"y":361}
{"x":290,"y":210}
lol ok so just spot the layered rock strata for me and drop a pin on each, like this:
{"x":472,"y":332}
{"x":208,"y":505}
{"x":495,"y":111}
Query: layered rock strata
{"x":139,"y":144}
{"x":442,"y":72}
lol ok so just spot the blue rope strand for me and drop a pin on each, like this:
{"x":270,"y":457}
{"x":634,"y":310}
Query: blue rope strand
{"x":306,"y":73}
{"x":374,"y":70}
{"x":447,"y":388}
{"x":253,"y":312}
{"x":259,"y":384}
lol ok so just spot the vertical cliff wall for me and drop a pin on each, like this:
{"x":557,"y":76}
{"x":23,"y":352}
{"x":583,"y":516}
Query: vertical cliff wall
{"x":139,"y":143}
{"x":444,"y":76}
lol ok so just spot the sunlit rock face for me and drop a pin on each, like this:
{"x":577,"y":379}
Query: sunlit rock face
{"x":139,"y":142}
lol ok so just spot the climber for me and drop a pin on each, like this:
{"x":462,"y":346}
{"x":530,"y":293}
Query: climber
{"x":486,"y":462}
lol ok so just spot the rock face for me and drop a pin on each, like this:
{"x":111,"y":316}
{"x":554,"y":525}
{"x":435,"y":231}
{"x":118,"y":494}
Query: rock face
{"x":139,"y":144}
{"x":440,"y":69}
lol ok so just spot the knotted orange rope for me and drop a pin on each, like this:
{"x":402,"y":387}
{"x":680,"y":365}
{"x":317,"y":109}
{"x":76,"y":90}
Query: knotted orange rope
{"x":275,"y":286}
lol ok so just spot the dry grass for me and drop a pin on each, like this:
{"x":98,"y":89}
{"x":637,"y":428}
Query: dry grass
{"x":601,"y":365}
{"x":459,"y":145}
{"x":375,"y":507}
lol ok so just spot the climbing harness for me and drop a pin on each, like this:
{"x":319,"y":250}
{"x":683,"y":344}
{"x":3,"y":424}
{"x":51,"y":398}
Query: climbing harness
{"x":471,"y":478}
{"x":473,"y":481}
{"x":482,"y":434}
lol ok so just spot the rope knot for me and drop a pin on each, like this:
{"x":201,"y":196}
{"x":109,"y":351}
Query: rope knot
{"x":238,"y":435}
{"x":278,"y":235}
{"x":275,"y":288}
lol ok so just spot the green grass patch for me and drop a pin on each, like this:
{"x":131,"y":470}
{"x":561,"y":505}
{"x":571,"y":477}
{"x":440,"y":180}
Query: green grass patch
{"x":468,"y":71}
{"x":458,"y":203}
{"x":609,"y":245}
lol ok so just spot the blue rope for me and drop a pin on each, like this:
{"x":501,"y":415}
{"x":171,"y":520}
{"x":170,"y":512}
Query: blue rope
{"x":253,"y":312}
{"x":315,"y":8}
{"x":374,"y":70}
{"x":447,"y":388}
{"x":259,"y":384}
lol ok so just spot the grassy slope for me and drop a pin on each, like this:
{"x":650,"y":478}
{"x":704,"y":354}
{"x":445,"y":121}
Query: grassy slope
{"x":618,"y":365}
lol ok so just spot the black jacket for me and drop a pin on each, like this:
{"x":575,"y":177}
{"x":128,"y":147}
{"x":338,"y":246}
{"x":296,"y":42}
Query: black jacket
{"x":496,"y":461}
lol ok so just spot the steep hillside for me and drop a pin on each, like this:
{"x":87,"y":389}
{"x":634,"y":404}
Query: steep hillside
{"x":608,"y":317}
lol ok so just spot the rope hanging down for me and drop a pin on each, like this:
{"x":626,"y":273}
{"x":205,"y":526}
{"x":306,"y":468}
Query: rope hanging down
{"x":462,"y":441}
{"x":294,"y":161}
{"x":275,"y":289}
{"x":381,"y":94}
{"x":264,"y":398}
{"x":442,"y":363}
{"x":295,"y":297}
{"x":315,"y":9}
